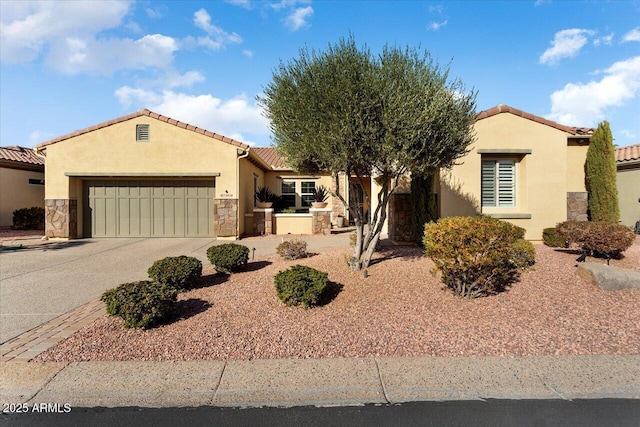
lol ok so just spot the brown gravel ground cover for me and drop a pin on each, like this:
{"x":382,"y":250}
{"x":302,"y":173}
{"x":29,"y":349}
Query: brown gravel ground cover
{"x":399,"y":310}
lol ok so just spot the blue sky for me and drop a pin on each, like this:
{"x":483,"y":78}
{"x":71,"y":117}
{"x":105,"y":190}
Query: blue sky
{"x":69,"y":65}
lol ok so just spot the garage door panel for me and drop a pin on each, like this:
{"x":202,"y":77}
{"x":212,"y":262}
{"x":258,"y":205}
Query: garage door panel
{"x":141,"y":208}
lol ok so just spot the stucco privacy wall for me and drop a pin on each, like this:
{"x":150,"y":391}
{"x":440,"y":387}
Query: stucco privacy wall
{"x":628,"y":182}
{"x":17,"y":193}
{"x":170,"y":152}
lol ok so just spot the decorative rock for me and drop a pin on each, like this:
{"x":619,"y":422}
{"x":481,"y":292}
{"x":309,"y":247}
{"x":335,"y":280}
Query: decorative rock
{"x":609,"y":278}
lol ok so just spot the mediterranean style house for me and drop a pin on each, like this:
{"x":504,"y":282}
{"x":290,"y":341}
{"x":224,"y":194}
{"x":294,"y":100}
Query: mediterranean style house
{"x":145,"y":174}
{"x":628,"y":182}
{"x":21,"y":181}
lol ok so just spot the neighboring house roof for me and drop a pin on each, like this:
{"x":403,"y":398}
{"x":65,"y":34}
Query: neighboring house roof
{"x":630,"y":153}
{"x":151,"y":114}
{"x":579,"y":131}
{"x":21,"y":158}
{"x":270,"y":156}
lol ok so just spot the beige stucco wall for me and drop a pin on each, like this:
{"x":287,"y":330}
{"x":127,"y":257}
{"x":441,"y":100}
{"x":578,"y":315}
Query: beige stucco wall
{"x":171,"y":151}
{"x":292,"y":223}
{"x":628,"y":182}
{"x":576,"y":156}
{"x":541,"y":177}
{"x":17,"y":193}
{"x":246,"y":191}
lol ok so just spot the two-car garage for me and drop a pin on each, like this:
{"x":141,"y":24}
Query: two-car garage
{"x":148,"y":208}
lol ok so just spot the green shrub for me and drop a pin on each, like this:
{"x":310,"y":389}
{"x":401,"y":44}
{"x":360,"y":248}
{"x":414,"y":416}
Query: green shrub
{"x":228,"y":257}
{"x":181,"y":272}
{"x":552,"y":238}
{"x":524,"y":254}
{"x":474,"y":254}
{"x":28,"y":219}
{"x":598,"y":237}
{"x":292,"y":249}
{"x":141,"y":304}
{"x":300,"y":285}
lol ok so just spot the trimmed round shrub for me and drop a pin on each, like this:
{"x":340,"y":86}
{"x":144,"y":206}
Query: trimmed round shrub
{"x":300,"y":285}
{"x":28,"y":219}
{"x":292,"y":249}
{"x":598,"y":237}
{"x":142,"y":304}
{"x":524,"y":254}
{"x":228,"y":257}
{"x":181,"y":272}
{"x":474,"y":254}
{"x":552,"y":238}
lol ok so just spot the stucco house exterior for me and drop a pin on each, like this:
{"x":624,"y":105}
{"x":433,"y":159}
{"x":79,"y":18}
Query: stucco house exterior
{"x":149,"y":175}
{"x":628,"y":182}
{"x":21,"y":181}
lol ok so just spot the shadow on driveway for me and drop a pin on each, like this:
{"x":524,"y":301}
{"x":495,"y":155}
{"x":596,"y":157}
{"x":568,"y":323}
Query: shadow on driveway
{"x":48,"y":246}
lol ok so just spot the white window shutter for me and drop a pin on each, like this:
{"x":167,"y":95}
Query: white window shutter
{"x":506,"y":183}
{"x":488,"y":183}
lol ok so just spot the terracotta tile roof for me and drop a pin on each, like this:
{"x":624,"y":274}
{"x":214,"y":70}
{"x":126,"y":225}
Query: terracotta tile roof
{"x":270,"y":156}
{"x":506,"y":109}
{"x":151,"y":114}
{"x":20,"y":154}
{"x":629,"y":153}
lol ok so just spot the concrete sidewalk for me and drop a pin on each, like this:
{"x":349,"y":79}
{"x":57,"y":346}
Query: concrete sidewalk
{"x":319,"y":382}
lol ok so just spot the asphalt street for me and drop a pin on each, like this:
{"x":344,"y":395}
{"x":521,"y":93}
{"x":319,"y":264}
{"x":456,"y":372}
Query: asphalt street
{"x":494,"y":413}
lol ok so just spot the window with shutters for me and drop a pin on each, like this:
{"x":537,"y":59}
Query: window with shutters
{"x":142,"y":132}
{"x":499,"y":183}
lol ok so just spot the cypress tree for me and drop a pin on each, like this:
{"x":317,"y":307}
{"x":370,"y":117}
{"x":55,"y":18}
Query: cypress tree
{"x":600,"y":176}
{"x":423,"y":204}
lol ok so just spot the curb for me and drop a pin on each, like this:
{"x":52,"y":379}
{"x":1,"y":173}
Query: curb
{"x":319,"y":382}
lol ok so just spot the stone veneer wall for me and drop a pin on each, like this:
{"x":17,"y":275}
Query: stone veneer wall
{"x":337,"y":207}
{"x":400,"y":217}
{"x":321,"y":223}
{"x":263,"y":222}
{"x":577,"y":205}
{"x":61,"y":218}
{"x":225,"y":217}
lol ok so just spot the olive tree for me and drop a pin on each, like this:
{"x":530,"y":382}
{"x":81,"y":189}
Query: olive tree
{"x":346,"y":110}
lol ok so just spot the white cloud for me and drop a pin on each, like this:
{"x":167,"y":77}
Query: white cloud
{"x":235,"y":116}
{"x":628,"y":134}
{"x":579,"y":104}
{"x":435,"y":26}
{"x":28,"y":27}
{"x":287,"y":4}
{"x":299,"y":18}
{"x":606,"y":40}
{"x":242,"y":3}
{"x":38,"y":136}
{"x":565,"y":44}
{"x":632,"y":36}
{"x":541,"y":2}
{"x":218,"y":38}
{"x":248,"y":53}
{"x":157,"y":12}
{"x":105,"y":56}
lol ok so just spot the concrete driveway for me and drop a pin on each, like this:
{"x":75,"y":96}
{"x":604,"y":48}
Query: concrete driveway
{"x":42,"y":280}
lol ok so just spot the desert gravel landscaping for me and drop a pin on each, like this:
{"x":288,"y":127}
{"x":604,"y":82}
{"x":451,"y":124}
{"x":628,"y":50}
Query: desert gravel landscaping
{"x":399,"y":310}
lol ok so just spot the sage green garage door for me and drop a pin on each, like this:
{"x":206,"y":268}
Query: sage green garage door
{"x":158,"y":208}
